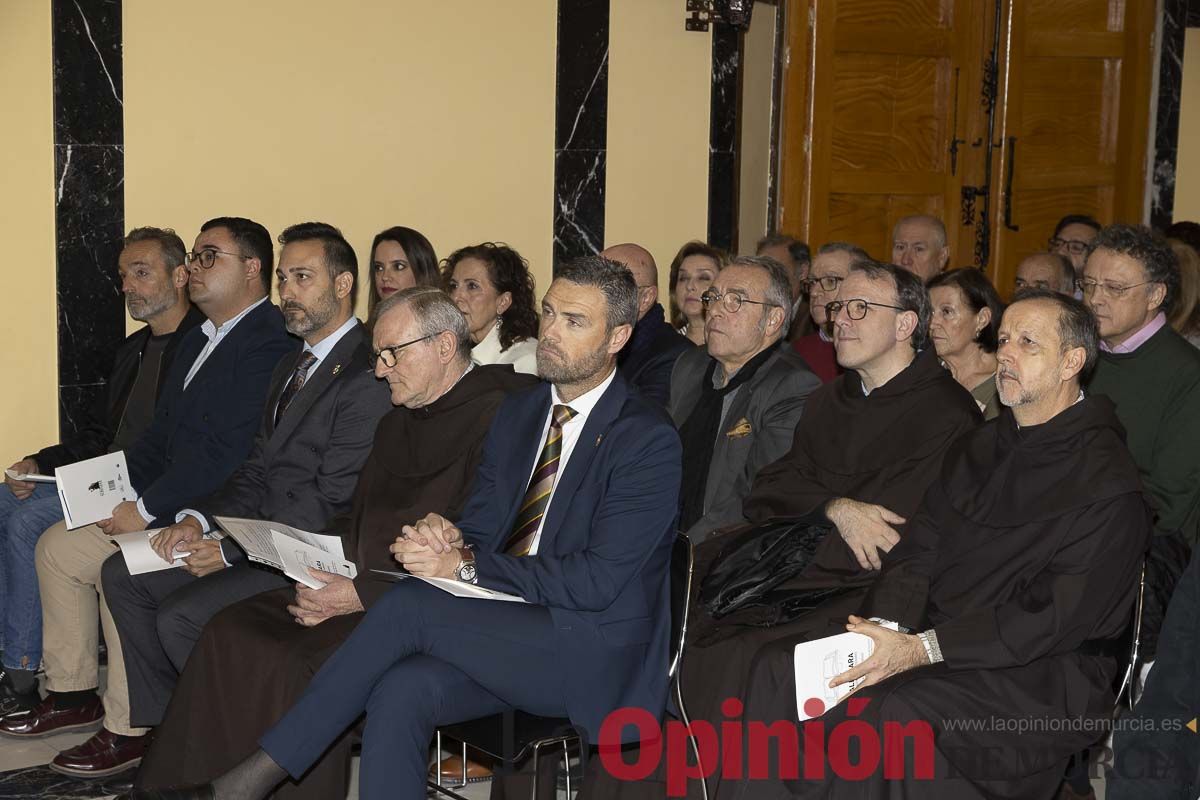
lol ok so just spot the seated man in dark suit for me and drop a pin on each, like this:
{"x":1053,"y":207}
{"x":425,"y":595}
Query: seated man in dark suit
{"x":737,"y":400}
{"x":316,"y":431}
{"x":203,"y":428}
{"x":647,"y":359}
{"x":573,"y":509}
{"x":154,"y":281}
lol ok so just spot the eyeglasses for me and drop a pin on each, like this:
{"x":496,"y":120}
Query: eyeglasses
{"x":1072,"y":246}
{"x":388,"y":354}
{"x":207,"y":257}
{"x":730,"y":301}
{"x":856,"y":309}
{"x":1088,"y":286}
{"x":829,"y":283}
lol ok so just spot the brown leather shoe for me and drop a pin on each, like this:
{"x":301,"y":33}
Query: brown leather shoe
{"x":45,"y":719}
{"x":452,"y":771}
{"x":104,"y":754}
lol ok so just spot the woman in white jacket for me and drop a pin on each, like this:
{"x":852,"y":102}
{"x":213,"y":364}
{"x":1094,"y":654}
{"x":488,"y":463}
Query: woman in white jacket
{"x":491,"y":284}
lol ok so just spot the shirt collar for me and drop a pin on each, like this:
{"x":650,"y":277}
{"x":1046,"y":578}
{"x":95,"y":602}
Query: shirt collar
{"x":583,"y":405}
{"x":1140,"y":338}
{"x":213,"y":332}
{"x":326,"y":345}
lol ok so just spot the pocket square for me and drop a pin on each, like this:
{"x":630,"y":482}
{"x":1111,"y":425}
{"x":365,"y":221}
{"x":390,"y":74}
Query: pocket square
{"x":742,"y":428}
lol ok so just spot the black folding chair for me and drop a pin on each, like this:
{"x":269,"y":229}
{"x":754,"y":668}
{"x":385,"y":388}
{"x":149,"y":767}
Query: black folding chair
{"x":513,"y":737}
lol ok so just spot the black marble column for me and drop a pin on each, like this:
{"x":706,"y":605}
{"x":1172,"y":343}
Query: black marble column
{"x":1166,"y":128}
{"x":723,"y":136}
{"x":580,"y":128}
{"x":89,"y":174}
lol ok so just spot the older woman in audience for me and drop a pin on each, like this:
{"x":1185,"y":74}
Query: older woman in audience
{"x":693,"y":270}
{"x":966,"y":316}
{"x":400,"y":258}
{"x":490,"y":283}
{"x":1185,"y":319}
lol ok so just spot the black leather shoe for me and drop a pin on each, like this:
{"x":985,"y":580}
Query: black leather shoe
{"x":12,"y":701}
{"x":204,"y":792}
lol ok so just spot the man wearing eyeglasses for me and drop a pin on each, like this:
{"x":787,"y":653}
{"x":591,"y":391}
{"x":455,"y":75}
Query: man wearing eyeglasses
{"x":1152,"y":374}
{"x":737,"y":400}
{"x":1049,"y":271}
{"x":830,"y":267}
{"x":204,"y":424}
{"x":1072,"y":236}
{"x":315,"y":433}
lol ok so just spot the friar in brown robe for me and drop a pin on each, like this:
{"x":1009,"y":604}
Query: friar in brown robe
{"x":253,"y":661}
{"x":883,"y":448}
{"x":1013,"y":586}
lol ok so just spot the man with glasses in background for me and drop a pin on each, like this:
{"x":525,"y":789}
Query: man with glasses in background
{"x":203,"y":427}
{"x":1072,"y":236}
{"x":1049,"y":271}
{"x":1152,"y":374}
{"x":736,"y":401}
{"x":829,"y":268}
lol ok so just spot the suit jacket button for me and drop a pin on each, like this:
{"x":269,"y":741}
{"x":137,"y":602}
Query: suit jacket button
{"x":205,"y":417}
{"x":290,"y":495}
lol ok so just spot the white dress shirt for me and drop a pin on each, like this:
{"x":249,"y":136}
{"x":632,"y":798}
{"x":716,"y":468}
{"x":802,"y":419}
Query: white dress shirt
{"x":582,"y":406}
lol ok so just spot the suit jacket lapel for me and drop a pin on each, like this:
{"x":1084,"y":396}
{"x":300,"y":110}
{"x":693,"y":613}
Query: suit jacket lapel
{"x":528,"y":436}
{"x":327,"y":371}
{"x":586,"y":447}
{"x":279,"y":380}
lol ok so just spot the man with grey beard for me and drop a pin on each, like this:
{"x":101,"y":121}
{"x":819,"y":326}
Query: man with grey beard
{"x":316,"y":430}
{"x":154,"y":280}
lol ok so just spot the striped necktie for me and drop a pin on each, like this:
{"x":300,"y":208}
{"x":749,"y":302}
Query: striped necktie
{"x":295,"y":384}
{"x":541,"y":484}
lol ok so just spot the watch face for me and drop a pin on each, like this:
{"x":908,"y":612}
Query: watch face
{"x":466,"y":572}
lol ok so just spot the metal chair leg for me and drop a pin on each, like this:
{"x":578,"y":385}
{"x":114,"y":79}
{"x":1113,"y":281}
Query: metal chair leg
{"x":438,"y":745}
{"x":567,"y":766}
{"x":536,"y":752}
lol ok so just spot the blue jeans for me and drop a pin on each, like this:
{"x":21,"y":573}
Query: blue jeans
{"x":22,"y":523}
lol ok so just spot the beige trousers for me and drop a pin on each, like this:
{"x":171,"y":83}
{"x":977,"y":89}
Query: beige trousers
{"x":68,"y":568}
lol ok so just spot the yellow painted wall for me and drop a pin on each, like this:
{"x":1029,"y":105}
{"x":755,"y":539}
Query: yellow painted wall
{"x":1187,"y":172}
{"x":758,"y":66}
{"x":364,"y":114}
{"x":28,"y":402}
{"x":658,"y":103}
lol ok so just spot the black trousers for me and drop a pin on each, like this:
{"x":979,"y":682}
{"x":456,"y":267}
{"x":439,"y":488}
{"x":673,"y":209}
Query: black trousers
{"x":159,"y":616}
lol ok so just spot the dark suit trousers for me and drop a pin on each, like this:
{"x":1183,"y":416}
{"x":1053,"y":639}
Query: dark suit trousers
{"x":421,"y":658}
{"x":159,"y":616}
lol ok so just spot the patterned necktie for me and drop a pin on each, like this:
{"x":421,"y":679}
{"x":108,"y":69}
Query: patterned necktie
{"x":537,"y":496}
{"x":295,"y":384}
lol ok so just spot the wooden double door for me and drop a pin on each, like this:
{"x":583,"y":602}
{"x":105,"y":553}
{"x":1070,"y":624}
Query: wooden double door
{"x":998,"y":116}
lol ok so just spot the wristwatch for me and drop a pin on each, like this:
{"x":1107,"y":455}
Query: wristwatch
{"x":465,"y":571}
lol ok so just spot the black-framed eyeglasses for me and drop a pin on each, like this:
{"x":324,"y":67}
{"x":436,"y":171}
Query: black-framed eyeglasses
{"x":730,"y":301}
{"x":829,"y":283}
{"x":1089,"y":285}
{"x":856,"y":309}
{"x":1072,"y":246}
{"x":388,"y":354}
{"x":208,"y":256}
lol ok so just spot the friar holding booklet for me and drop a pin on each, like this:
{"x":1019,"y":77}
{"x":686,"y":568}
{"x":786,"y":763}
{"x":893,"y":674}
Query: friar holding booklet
{"x":424,"y":457}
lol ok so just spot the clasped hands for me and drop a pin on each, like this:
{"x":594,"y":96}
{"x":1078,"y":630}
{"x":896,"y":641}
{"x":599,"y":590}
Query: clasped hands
{"x":204,"y":555}
{"x":429,"y":547}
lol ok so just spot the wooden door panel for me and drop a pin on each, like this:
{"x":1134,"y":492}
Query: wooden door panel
{"x":889,"y":113}
{"x":896,"y":13}
{"x":1073,"y":111}
{"x":867,"y":219}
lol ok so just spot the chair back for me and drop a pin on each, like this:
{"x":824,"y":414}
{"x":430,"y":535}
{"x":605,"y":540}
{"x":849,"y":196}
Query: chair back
{"x":681,"y":592}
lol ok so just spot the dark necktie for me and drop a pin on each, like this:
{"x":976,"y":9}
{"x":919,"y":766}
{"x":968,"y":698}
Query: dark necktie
{"x":541,"y":484}
{"x":295,"y":384}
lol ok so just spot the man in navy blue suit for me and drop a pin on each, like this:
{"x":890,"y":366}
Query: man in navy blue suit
{"x":203,"y":427}
{"x":573,"y":509}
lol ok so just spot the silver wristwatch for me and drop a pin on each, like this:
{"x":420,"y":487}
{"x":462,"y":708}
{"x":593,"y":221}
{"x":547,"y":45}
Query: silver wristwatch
{"x":465,"y":571}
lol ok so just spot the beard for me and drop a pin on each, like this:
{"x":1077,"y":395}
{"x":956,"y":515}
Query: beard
{"x":302,"y":320}
{"x":567,"y":371}
{"x":143,"y":308}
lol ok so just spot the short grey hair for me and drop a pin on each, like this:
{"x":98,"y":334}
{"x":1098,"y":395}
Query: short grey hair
{"x":435,"y":313}
{"x":613,"y":279}
{"x":779,"y":289}
{"x":851,"y":249}
{"x":797,"y":248}
{"x":939,"y":228}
